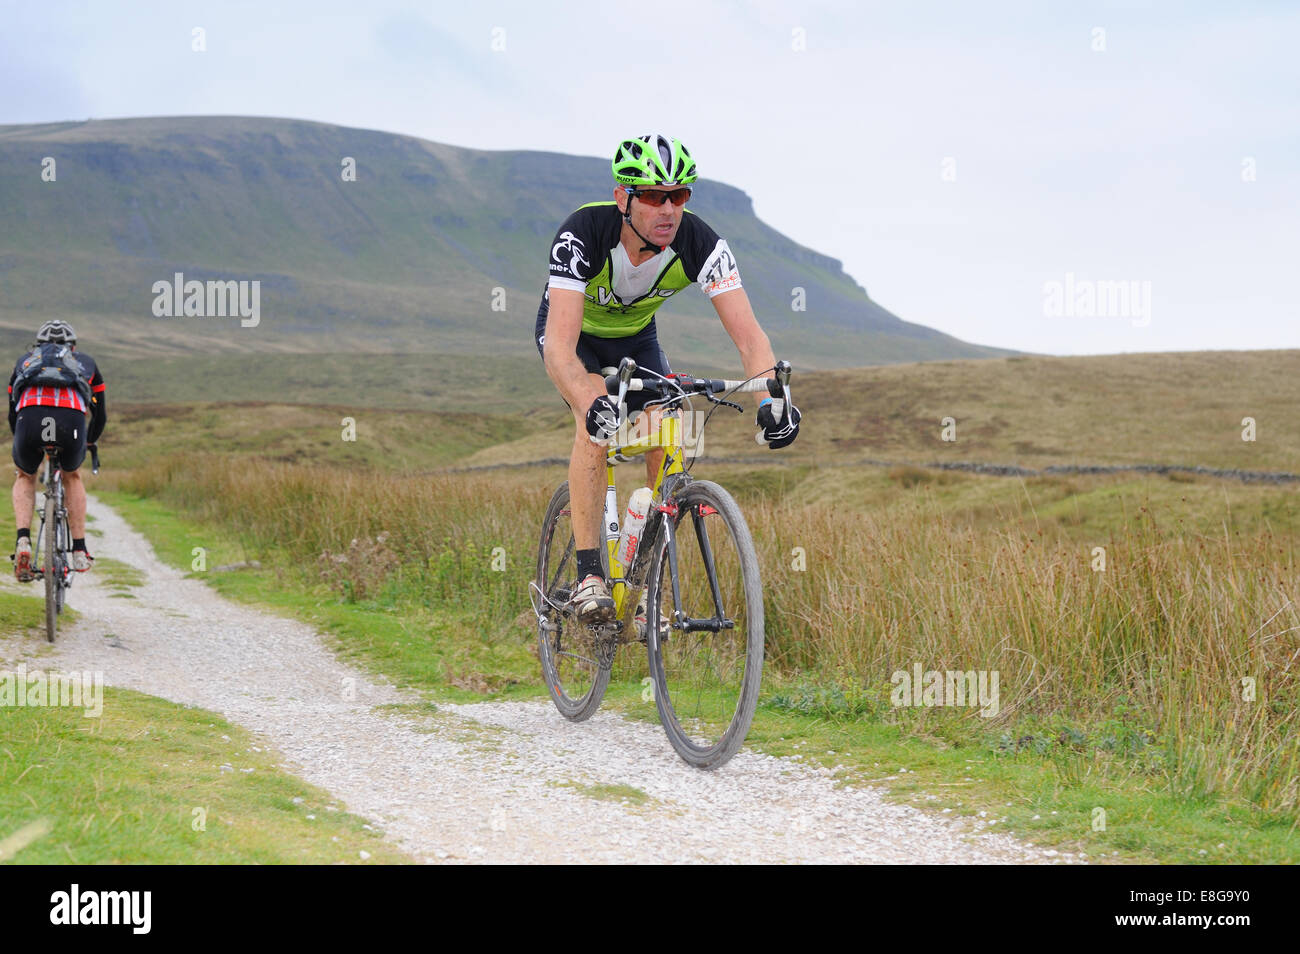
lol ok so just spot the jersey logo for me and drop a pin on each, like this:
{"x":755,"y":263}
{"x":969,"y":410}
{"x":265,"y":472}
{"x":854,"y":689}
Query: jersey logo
{"x":719,"y":272}
{"x":605,"y":296}
{"x":570,"y":253}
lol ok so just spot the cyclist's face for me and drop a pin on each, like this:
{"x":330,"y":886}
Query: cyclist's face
{"x":657,"y":223}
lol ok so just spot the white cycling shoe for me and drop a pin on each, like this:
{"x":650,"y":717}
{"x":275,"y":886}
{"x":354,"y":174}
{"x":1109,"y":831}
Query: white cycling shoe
{"x":23,"y":561}
{"x":591,"y":601}
{"x":642,"y":632}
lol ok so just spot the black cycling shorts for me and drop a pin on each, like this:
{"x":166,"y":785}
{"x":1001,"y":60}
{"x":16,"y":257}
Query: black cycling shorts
{"x":597,"y":353}
{"x":30,"y":436}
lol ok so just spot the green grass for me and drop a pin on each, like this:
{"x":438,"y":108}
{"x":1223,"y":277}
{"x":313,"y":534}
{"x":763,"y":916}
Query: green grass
{"x":118,"y":575}
{"x":606,"y":792}
{"x":152,"y":782}
{"x":22,"y":609}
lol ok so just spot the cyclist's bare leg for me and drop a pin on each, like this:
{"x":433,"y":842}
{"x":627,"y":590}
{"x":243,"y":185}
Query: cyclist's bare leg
{"x":653,"y":460}
{"x":586,"y":481}
{"x":24,"y":497}
{"x":586,"y":488}
{"x":74,"y":496}
{"x":648,"y":422}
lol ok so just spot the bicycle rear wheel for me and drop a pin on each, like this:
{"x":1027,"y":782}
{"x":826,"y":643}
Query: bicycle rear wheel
{"x":51,"y":572}
{"x":576,"y":677}
{"x":708,"y":662}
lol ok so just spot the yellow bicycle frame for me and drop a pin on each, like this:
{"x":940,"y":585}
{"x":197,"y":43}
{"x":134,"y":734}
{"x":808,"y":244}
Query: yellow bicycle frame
{"x":668,"y":435}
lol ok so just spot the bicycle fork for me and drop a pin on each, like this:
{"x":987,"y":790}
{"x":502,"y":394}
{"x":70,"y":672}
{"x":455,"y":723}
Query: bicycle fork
{"x":681,"y":621}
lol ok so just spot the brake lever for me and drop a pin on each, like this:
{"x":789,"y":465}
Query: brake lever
{"x":783,"y":379}
{"x":778,"y":390}
{"x":626,"y":368}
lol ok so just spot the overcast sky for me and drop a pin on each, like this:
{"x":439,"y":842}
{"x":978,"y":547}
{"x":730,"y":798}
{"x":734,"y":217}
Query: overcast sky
{"x":959,"y":158}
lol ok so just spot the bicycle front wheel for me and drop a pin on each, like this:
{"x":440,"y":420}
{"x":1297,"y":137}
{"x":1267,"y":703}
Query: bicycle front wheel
{"x":576,"y":677}
{"x":63,"y":578}
{"x":51,"y":574}
{"x":705,"y":635}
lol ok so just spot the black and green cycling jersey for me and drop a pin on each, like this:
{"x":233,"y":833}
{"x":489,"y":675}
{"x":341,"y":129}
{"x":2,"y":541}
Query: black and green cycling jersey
{"x":621,"y":299}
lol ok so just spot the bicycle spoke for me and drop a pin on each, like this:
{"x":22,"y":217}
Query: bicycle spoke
{"x":562,"y":567}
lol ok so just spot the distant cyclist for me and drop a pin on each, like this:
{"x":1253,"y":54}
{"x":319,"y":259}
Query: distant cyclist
{"x":612,"y":265}
{"x":56,"y":396}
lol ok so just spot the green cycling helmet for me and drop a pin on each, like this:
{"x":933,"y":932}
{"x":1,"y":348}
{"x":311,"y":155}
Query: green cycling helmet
{"x":653,"y":160}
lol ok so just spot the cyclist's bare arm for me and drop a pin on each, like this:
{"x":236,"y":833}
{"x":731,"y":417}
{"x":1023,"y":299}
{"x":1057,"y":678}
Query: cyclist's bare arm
{"x":563,"y":325}
{"x":738,"y":319}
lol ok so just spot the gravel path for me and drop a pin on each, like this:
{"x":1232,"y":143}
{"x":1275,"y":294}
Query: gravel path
{"x":494,"y":782}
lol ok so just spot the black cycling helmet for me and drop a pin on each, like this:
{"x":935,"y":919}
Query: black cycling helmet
{"x":57,"y":331}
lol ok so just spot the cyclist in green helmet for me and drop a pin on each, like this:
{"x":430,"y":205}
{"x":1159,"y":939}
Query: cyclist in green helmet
{"x":612,"y":265}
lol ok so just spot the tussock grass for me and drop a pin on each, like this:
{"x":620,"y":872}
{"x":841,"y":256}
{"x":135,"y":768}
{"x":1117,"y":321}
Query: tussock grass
{"x":426,"y":540}
{"x":1151,"y":654}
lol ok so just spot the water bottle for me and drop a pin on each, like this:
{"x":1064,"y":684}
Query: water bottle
{"x":638,"y":508}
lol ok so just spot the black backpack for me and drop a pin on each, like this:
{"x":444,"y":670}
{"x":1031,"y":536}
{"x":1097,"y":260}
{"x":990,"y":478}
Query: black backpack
{"x":52,"y":365}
